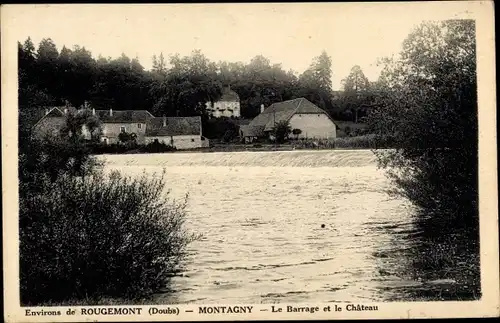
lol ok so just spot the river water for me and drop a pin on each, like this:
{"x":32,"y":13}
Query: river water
{"x":261,"y":216}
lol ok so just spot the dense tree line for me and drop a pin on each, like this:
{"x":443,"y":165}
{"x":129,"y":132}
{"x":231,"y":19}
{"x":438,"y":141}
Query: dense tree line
{"x":175,"y":86}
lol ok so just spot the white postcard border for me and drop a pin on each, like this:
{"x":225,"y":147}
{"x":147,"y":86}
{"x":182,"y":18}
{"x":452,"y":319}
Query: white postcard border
{"x":482,"y":12}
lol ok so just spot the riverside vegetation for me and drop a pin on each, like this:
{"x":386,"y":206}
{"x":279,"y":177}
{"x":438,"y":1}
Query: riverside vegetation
{"x":86,"y":235}
{"x":82,"y":231}
{"x":429,"y":110}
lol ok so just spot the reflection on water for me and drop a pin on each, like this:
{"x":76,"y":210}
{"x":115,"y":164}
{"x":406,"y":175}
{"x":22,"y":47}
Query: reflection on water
{"x":261,"y":217}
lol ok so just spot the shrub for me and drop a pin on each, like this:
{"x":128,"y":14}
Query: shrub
{"x":51,"y":157}
{"x":296,"y":132}
{"x":281,"y":131}
{"x":130,"y":147}
{"x":157,"y":147}
{"x":101,"y":148}
{"x":230,"y":135}
{"x":85,"y":236}
{"x":221,"y":128}
{"x":360,"y":142}
{"x":99,"y":235}
{"x":127,"y":138}
{"x":347,"y":130}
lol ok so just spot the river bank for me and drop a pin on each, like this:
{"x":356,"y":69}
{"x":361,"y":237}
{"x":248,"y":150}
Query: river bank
{"x":344,"y":143}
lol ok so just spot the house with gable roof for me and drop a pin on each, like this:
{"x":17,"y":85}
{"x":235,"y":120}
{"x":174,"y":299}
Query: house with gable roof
{"x":178,"y":132}
{"x":50,"y":123}
{"x":300,"y":113}
{"x":227,"y":106}
{"x":114,"y":122}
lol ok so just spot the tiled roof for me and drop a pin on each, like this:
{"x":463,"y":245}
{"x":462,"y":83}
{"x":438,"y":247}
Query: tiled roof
{"x":55,"y":112}
{"x":174,"y":126}
{"x":42,"y":113}
{"x":123,"y":116}
{"x":251,"y":131}
{"x":283,"y":111}
{"x":243,"y":121}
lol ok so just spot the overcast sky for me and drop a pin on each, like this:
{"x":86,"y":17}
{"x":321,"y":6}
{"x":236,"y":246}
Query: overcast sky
{"x":290,"y":34}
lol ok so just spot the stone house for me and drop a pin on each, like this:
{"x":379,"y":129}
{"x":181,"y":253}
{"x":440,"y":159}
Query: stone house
{"x":178,"y":132}
{"x":115,"y":122}
{"x":227,"y":106}
{"x":300,"y":113}
{"x":50,"y":123}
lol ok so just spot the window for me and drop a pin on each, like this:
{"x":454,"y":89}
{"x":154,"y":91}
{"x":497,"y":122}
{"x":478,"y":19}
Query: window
{"x":139,"y":126}
{"x":122,"y":129}
{"x":192,"y":140}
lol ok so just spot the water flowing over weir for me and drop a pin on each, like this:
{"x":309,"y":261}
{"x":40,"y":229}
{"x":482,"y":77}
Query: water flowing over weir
{"x":295,"y":226}
{"x":302,"y":158}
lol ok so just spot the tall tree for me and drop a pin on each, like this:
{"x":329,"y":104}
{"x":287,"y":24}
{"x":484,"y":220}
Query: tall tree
{"x":47,"y":65}
{"x":356,"y":82}
{"x":83,"y":74}
{"x":319,"y":72}
{"x":429,"y":112}
{"x":356,"y":96}
{"x":316,"y":81}
{"x":188,"y":85}
{"x":159,"y":66}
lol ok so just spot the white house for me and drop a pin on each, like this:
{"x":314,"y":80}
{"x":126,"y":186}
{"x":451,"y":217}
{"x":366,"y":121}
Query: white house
{"x":299,"y":113}
{"x":227,"y":106}
{"x":178,"y":132}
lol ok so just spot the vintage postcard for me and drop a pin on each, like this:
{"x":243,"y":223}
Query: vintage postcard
{"x":257,"y":161}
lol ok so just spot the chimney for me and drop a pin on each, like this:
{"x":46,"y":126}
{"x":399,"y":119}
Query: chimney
{"x":164,"y":121}
{"x":47,"y":111}
{"x":111,"y":112}
{"x":93,"y":111}
{"x":65,"y":110}
{"x":85,"y":104}
{"x":261,"y":108}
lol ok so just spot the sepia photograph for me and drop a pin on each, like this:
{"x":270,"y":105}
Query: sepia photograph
{"x":247,"y":154}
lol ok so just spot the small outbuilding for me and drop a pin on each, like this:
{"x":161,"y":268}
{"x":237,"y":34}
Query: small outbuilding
{"x":178,"y":132}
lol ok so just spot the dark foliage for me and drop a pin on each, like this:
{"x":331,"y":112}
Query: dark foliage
{"x":94,"y":236}
{"x":85,"y":235}
{"x":157,"y":147}
{"x":52,"y":77}
{"x":101,"y":148}
{"x":429,"y":110}
{"x":281,"y":131}
{"x":221,"y":128}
